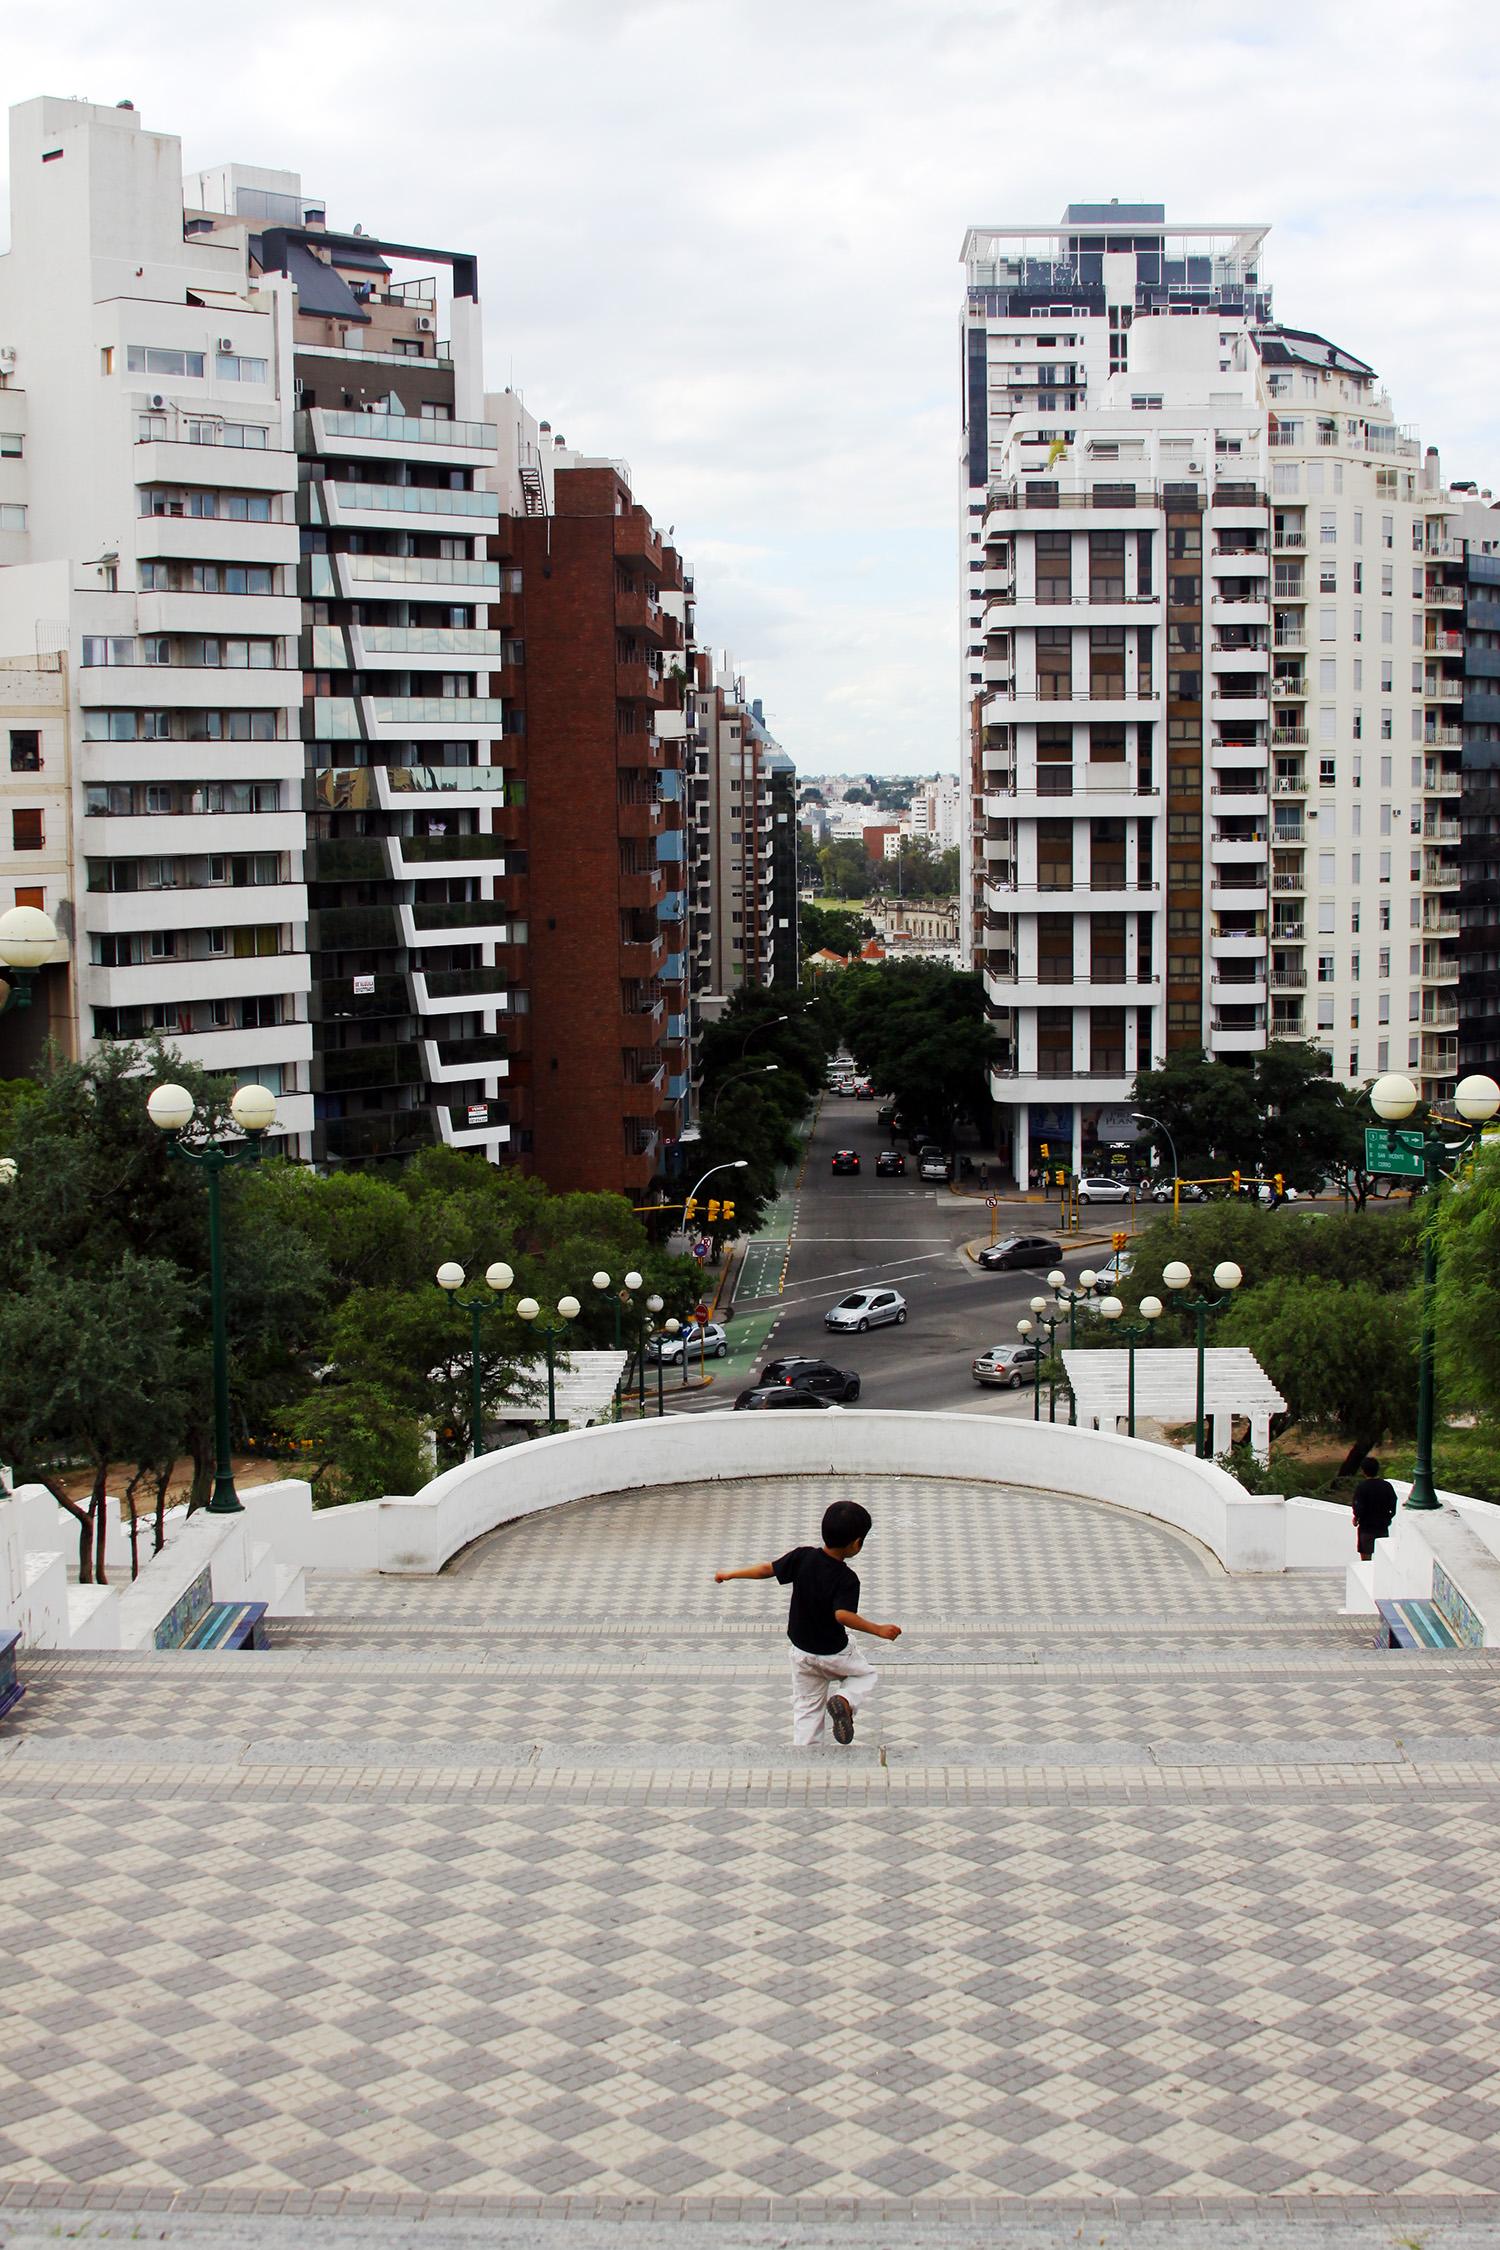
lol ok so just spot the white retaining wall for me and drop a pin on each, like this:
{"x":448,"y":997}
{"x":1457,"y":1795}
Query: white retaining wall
{"x":417,"y":1536}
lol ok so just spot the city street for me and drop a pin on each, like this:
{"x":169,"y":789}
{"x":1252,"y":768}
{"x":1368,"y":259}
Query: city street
{"x":854,"y":1231}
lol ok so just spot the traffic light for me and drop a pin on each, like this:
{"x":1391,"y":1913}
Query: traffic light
{"x":1118,"y":1239}
{"x":689,"y":1210}
{"x":726,"y":1209}
{"x":713,"y":1210}
{"x":1046,"y":1152}
{"x":1278,"y":1184}
{"x":1234,"y":1181}
{"x":1060,"y":1176}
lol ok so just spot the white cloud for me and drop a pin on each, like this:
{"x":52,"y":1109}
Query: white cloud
{"x":720,"y":238}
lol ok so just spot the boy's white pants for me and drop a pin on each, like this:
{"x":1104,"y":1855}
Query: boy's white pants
{"x":847,"y":1673}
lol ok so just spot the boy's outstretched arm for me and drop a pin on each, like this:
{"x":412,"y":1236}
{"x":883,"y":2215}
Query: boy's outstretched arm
{"x":751,"y":1570}
{"x":852,"y":1622}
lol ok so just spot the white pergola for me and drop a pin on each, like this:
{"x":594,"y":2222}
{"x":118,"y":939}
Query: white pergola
{"x":1166,"y":1390}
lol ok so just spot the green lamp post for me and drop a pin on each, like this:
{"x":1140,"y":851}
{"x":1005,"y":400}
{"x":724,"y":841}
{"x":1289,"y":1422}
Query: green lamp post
{"x":550,"y":1330}
{"x":498,"y":1278}
{"x":1441,"y":1149}
{"x":171,"y":1109}
{"x":1087,"y":1287}
{"x":1227,"y":1278}
{"x":1047,"y":1322}
{"x":1134,"y":1332}
{"x":668,"y":1328}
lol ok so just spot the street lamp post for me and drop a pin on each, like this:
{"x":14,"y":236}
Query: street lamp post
{"x":737,"y":1078}
{"x":1227,"y":1277}
{"x":498,"y":1278}
{"x":669,"y":1328}
{"x":253,"y":1109}
{"x":1050,"y":1322}
{"x":1476,"y":1100}
{"x":1134,"y":1332}
{"x":1088,"y":1285}
{"x":549,"y":1331}
{"x":1139,"y":1117}
{"x":653,"y":1309}
{"x":27,"y":939}
{"x":756,"y":1029}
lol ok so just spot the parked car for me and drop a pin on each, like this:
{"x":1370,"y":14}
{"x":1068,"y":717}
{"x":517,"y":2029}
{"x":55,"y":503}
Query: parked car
{"x":1114,"y":1270}
{"x":1188,"y":1191}
{"x":864,"y":1090}
{"x":846,"y":1160}
{"x":1019,"y":1250}
{"x":888,"y":1117}
{"x":804,"y":1374}
{"x":891,"y":1164}
{"x":1099,"y":1188}
{"x":934,"y":1165}
{"x":1005,"y":1366}
{"x":866,"y":1308}
{"x":779,"y":1395}
{"x":711,"y":1341}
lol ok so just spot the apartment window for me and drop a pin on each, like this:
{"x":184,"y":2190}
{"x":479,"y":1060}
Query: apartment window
{"x":26,"y":831}
{"x":25,"y":750}
{"x":1328,"y":526}
{"x":1325,"y":1015}
{"x":1385,"y":870}
{"x":99,"y":648}
{"x":12,"y":516}
{"x":1359,"y":537}
{"x":106,"y":359}
{"x":1387,"y":627}
{"x":1383,"y":962}
{"x":27,"y":896}
{"x":238,"y":367}
{"x":1386,"y":675}
{"x":1315,"y":479}
{"x":1386,"y":730}
{"x":1387,"y":531}
{"x":1328,"y":578}
{"x":1383,"y":1055}
{"x":1414,"y":1051}
{"x":154,"y":359}
{"x":1359,"y":576}
{"x":1327,"y":772}
{"x":1385,"y":810}
{"x":1384,"y":916}
{"x":1387,"y":578}
{"x":1325,"y":968}
{"x":1327,"y":723}
{"x":1284,"y":476}
{"x":1357,"y":725}
{"x":1325,"y":871}
{"x":1383,"y":1008}
{"x":10,"y":445}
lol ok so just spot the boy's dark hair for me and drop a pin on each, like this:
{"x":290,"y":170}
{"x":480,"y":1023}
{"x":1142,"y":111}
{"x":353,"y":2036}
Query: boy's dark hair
{"x":1371,"y":1467}
{"x":844,"y":1521}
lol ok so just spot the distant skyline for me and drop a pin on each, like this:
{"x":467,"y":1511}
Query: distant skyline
{"x":720,"y":239}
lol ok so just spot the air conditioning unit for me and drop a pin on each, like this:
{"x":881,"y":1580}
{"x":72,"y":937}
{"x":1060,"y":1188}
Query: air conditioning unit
{"x":424,"y":322}
{"x":158,"y":398}
{"x":226,"y":343}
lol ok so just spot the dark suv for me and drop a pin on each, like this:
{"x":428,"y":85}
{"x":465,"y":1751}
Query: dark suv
{"x":819,"y":1375}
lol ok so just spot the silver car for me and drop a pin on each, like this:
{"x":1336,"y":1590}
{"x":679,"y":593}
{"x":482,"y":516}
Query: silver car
{"x":866,"y":1308}
{"x":1005,"y":1366}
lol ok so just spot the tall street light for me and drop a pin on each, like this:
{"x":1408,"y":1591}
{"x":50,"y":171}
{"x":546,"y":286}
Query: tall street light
{"x":1227,"y":1277}
{"x":737,"y":1078}
{"x":756,"y":1030}
{"x":669,"y":1328}
{"x":1088,"y":1285}
{"x":1134,"y":1332}
{"x":1025,"y":1329}
{"x":28,"y":938}
{"x":171,"y":1110}
{"x":549,"y":1331}
{"x":632,"y":1283}
{"x":654,"y":1306}
{"x":498,"y":1278}
{"x":1048,"y":1321}
{"x":1476,"y":1100}
{"x":1139,"y":1117}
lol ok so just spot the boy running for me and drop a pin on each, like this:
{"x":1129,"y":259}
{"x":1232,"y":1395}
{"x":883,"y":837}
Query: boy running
{"x":824,"y":1611}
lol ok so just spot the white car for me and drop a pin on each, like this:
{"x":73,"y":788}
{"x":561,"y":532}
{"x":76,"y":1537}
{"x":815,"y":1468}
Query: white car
{"x":710,"y":1341}
{"x":1115,"y":1269}
{"x":866,"y":1308}
{"x":1103,"y":1190}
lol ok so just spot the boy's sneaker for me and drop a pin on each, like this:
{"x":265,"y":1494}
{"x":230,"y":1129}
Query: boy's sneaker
{"x":841,"y":1711}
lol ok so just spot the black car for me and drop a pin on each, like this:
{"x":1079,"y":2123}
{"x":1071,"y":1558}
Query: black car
{"x":804,"y":1374}
{"x":778,"y":1395}
{"x":846,"y":1160}
{"x":1019,"y":1250}
{"x":888,"y":1117}
{"x":890,"y":1163}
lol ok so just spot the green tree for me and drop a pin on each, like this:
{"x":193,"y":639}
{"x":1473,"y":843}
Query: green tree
{"x":846,"y":869}
{"x":1282,"y":1112}
{"x":93,"y":1370}
{"x":1464,"y":1221}
{"x":918,"y":1030}
{"x":1342,"y":1360}
{"x":836,"y":929}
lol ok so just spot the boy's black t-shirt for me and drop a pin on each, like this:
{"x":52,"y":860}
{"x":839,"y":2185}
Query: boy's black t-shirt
{"x":820,"y":1585}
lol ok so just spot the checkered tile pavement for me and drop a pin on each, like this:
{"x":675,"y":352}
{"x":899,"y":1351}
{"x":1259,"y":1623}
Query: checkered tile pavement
{"x":476,"y":1912}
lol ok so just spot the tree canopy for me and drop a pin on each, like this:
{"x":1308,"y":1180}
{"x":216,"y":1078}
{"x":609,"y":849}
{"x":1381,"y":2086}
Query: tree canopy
{"x":1281,"y":1111}
{"x":918,"y":1029}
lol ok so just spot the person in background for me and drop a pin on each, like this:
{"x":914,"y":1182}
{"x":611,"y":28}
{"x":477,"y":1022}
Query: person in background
{"x":1374,"y":1508}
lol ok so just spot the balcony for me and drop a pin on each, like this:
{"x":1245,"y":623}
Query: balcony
{"x":1288,"y":883}
{"x":422,"y":577}
{"x":1444,"y":644}
{"x":415,"y":507}
{"x":635,"y":540}
{"x":638,"y":818}
{"x":1443,"y":738}
{"x":1287,"y":932}
{"x":1286,"y":541}
{"x":420,"y":718}
{"x":1440,"y":921}
{"x":1288,"y":980}
{"x":1435,"y":689}
{"x":370,"y":644}
{"x":1289,"y":738}
{"x":1443,"y":597}
{"x":1441,"y":831}
{"x":1289,"y":785}
{"x":1440,"y":968}
{"x":380,"y":437}
{"x":1438,"y":876}
{"x":1437,"y":783}
{"x":640,"y":888}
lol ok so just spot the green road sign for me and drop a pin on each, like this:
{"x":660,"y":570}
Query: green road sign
{"x":1390,"y":1149}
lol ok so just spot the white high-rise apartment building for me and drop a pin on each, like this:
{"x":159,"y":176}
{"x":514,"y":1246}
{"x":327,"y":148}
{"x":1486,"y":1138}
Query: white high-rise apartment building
{"x":151,"y":544}
{"x":1159,"y":483}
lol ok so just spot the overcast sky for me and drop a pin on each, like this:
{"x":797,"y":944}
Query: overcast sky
{"x":720,"y":238}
